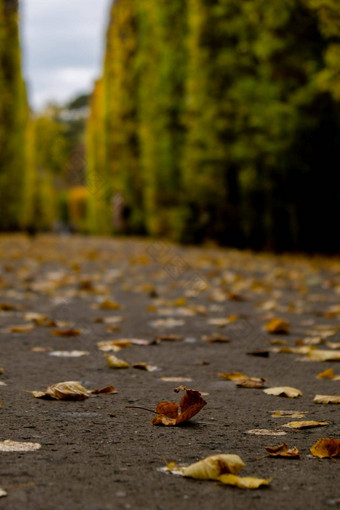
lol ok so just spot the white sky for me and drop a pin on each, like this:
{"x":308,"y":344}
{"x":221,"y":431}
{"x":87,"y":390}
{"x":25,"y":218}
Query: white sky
{"x":62,"y":42}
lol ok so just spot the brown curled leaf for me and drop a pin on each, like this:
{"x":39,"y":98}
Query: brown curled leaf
{"x":170,"y":413}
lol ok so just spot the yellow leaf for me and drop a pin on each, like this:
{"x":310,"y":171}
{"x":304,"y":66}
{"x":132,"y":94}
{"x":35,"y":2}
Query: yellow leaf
{"x":282,"y":451}
{"x":305,"y":424}
{"x":108,"y":304}
{"x":323,"y":355}
{"x":326,"y":374}
{"x":278,"y":326}
{"x":13,"y":446}
{"x":21,"y":329}
{"x":69,"y":390}
{"x":327,"y":399}
{"x":283,"y":391}
{"x":290,"y":414}
{"x":326,"y":447}
{"x":214,"y":466}
{"x":114,"y":362}
{"x":232,"y":376}
{"x":247,"y":482}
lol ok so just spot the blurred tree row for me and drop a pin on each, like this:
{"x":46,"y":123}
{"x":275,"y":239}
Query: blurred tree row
{"x":217,"y":119}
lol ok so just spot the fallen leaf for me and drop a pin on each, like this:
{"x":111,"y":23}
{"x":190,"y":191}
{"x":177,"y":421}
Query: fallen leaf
{"x":170,"y":413}
{"x":282,"y":451}
{"x":327,"y":399}
{"x":40,"y":349}
{"x":145,"y":366}
{"x":246,"y":482}
{"x":3,"y":493}
{"x":283,"y":391}
{"x":278,"y":326}
{"x":167,"y":323}
{"x":258,"y":352}
{"x":232,"y":376}
{"x":176,"y":379}
{"x":168,"y":338}
{"x":105,"y":390}
{"x":108,"y":304}
{"x":13,"y":446}
{"x":216,"y":339}
{"x":114,"y":362}
{"x":326,"y":374}
{"x":68,"y":390}
{"x":113,"y":345}
{"x":66,"y":332}
{"x":69,"y":354}
{"x":223,"y":321}
{"x":21,"y":329}
{"x":250,"y":382}
{"x":323,"y":355}
{"x":222,"y":468}
{"x":7,"y":307}
{"x":211,"y":467}
{"x":266,"y":432}
{"x":326,"y":447}
{"x":290,"y":414}
{"x":305,"y":424}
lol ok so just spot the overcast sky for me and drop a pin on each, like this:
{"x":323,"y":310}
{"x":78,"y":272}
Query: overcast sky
{"x":62,"y":44}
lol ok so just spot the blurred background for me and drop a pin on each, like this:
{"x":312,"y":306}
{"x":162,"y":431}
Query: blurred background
{"x":194,"y":120}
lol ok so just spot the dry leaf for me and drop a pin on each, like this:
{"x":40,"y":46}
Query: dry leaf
{"x":326,"y":447}
{"x":288,"y":414}
{"x":223,"y":321}
{"x":305,"y":424}
{"x":216,"y":339}
{"x":278,"y":326}
{"x":69,"y":354}
{"x":170,"y":413}
{"x":66,"y":332}
{"x":3,"y":493}
{"x":266,"y":432}
{"x":326,"y":374}
{"x":22,"y":329}
{"x":327,"y":399}
{"x":70,"y":390}
{"x":40,"y":349}
{"x":113,"y":345}
{"x":13,"y":446}
{"x":211,"y":467}
{"x":145,"y":366}
{"x":7,"y":307}
{"x":114,"y":362}
{"x":283,"y":391}
{"x":323,"y":355}
{"x":168,"y":338}
{"x":232,"y":376}
{"x":176,"y":379}
{"x":282,"y":451}
{"x":108,"y":304}
{"x":105,"y":390}
{"x":167,"y":323}
{"x":221,"y":467}
{"x":259,"y":352}
{"x":250,"y":382}
{"x":246,"y":482}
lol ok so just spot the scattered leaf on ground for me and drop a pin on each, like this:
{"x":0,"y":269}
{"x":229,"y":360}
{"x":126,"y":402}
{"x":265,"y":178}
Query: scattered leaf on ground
{"x":167,"y":323}
{"x":266,"y":432}
{"x":259,"y":352}
{"x":168,"y":338}
{"x":288,"y":414}
{"x":328,"y":374}
{"x":305,"y":424}
{"x":13,"y":446}
{"x":3,"y":493}
{"x":22,"y":329}
{"x":326,"y":447}
{"x":66,"y":332}
{"x":145,"y":366}
{"x":222,"y":468}
{"x":170,"y":413}
{"x":114,"y":362}
{"x":282,"y":451}
{"x":283,"y":391}
{"x":69,"y":354}
{"x":216,"y":339}
{"x":70,"y":390}
{"x":327,"y":399}
{"x":278,"y":326}
{"x":250,"y":382}
{"x":176,"y":379}
{"x":323,"y":355}
{"x":108,"y":304}
{"x":233,"y":376}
